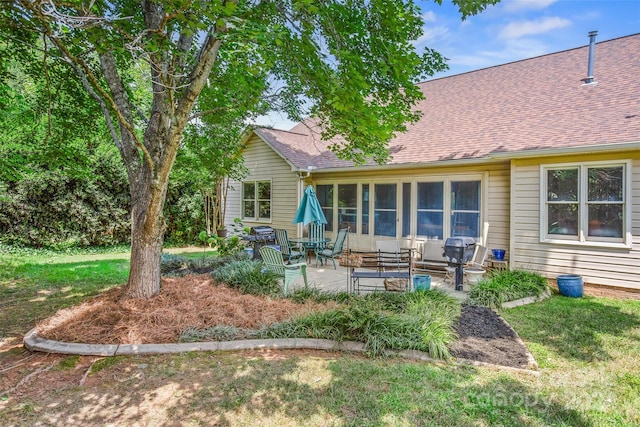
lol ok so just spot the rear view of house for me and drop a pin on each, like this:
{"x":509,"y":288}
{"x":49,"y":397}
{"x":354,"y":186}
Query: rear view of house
{"x":544,"y":151}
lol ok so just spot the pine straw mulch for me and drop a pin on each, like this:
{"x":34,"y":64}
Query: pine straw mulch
{"x":194,"y":301}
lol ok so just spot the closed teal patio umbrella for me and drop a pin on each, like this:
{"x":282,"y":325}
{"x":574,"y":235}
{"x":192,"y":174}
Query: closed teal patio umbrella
{"x":309,"y":209}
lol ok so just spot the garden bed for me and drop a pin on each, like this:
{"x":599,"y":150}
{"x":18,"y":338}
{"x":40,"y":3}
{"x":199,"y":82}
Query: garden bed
{"x":194,"y":301}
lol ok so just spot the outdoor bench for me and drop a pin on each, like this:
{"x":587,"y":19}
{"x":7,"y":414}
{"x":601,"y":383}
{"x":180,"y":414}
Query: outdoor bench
{"x":386,"y":271}
{"x":432,"y":258}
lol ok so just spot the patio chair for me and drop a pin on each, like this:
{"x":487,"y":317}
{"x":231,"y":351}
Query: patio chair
{"x":431,"y":257}
{"x":274,"y":262}
{"x":476,"y":263}
{"x":289,"y":252}
{"x":332,"y":249}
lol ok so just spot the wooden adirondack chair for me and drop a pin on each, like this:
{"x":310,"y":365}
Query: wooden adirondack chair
{"x":274,"y":262}
{"x":289,"y":252}
{"x":333,"y":249}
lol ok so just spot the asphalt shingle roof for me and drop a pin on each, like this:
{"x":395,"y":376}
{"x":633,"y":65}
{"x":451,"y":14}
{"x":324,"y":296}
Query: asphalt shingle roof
{"x":533,"y":104}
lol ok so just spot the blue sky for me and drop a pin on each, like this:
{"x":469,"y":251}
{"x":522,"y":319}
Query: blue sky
{"x":513,"y":30}
{"x":519,"y":29}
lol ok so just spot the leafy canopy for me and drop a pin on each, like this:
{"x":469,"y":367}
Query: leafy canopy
{"x":350,"y":64}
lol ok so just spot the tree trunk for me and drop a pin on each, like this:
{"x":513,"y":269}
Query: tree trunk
{"x":144,"y":274}
{"x":147,"y":236}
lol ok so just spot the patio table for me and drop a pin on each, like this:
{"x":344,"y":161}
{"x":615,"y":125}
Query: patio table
{"x":310,"y":244}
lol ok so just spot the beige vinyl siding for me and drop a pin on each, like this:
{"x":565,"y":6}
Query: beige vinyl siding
{"x":497,"y":208}
{"x":597,"y":265}
{"x":264,"y":164}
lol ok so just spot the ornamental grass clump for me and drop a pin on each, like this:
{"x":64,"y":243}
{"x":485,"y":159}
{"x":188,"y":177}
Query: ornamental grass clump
{"x":248,"y":276}
{"x":505,"y":286}
{"x":382,"y":321}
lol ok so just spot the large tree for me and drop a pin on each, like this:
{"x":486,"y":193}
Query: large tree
{"x":350,"y":63}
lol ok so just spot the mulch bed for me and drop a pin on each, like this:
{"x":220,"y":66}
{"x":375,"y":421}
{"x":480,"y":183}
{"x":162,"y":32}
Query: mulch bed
{"x":486,"y":337}
{"x":197,"y":301}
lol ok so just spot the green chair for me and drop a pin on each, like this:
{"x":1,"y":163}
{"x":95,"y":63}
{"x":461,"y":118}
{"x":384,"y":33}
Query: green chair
{"x":289,"y":252}
{"x":274,"y":262}
{"x":332,"y":250}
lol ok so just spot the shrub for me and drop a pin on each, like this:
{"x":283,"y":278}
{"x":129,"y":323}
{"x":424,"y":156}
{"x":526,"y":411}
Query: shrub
{"x":247,"y":275}
{"x":171,"y":263}
{"x":178,"y":265}
{"x":508,"y":285}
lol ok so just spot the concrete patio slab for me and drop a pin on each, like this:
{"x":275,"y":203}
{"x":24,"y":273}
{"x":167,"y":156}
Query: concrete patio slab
{"x":327,"y":278}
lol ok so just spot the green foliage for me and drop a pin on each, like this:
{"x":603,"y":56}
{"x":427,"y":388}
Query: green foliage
{"x":46,"y":252}
{"x":507,"y":285}
{"x":180,"y":264}
{"x":383,"y":321}
{"x":183,"y":212}
{"x":229,"y":245}
{"x":248,"y":276}
{"x":171,"y":263}
{"x":63,"y":186}
{"x":301,"y":295}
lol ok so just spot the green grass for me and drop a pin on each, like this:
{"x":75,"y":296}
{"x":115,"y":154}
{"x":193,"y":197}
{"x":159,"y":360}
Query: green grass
{"x":589,"y":351}
{"x":34,"y":287}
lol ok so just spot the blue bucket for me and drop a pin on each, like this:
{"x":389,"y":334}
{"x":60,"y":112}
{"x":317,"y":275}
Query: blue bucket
{"x":570,"y":285}
{"x":498,"y":254}
{"x":248,"y":252}
{"x":421,"y":282}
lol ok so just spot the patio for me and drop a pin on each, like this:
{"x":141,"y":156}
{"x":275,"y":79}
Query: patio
{"x":329,"y":279}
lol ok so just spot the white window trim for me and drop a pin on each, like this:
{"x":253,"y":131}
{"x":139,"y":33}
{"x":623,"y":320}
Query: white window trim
{"x":255,"y":199}
{"x":582,"y":239}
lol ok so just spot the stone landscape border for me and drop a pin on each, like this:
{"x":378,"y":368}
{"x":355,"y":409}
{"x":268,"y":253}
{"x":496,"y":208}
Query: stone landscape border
{"x":33,"y":342}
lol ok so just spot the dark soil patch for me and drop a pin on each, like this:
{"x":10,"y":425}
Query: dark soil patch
{"x":486,"y":337}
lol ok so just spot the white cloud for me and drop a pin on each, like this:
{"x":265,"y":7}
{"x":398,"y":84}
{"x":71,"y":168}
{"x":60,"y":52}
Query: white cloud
{"x":513,"y":50}
{"x":518,"y":5}
{"x":525,"y":28}
{"x":431,"y":34}
{"x":429,"y":16}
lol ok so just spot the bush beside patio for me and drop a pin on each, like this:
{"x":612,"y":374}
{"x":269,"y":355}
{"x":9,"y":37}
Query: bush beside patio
{"x":505,"y":286}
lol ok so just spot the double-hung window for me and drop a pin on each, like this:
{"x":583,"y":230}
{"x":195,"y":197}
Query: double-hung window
{"x":585,"y":202}
{"x":256,"y":200}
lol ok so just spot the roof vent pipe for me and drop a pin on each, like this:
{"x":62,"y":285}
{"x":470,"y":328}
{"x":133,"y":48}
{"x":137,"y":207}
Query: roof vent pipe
{"x":592,"y":50}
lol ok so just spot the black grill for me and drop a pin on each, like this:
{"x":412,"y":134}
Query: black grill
{"x":260,"y":236}
{"x":458,"y":251}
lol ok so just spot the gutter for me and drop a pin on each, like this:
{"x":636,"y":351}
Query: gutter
{"x":493,"y":157}
{"x":583,"y":149}
{"x":438,"y":163}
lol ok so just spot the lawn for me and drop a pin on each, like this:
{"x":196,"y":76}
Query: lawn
{"x":588,"y":350}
